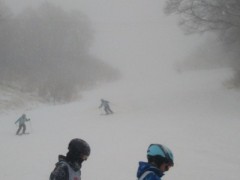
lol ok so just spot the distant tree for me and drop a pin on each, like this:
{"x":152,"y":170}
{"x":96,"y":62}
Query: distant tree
{"x":4,"y":11}
{"x":219,"y":16}
{"x":5,"y":16}
{"x":48,"y":52}
{"x":206,"y":15}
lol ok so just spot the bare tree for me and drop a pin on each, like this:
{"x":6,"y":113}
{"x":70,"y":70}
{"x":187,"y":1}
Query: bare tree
{"x":5,"y":16}
{"x":206,"y":15}
{"x":219,"y":16}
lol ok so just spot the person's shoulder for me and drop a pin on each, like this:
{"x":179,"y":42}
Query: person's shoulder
{"x":151,"y":176}
{"x":60,"y":172}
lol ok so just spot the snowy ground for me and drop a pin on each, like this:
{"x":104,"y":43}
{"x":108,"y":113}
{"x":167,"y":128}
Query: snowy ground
{"x":192,"y":113}
{"x":198,"y":120}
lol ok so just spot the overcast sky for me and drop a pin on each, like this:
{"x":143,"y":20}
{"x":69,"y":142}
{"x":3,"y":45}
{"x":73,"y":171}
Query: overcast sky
{"x":133,"y":32}
{"x":102,"y":9}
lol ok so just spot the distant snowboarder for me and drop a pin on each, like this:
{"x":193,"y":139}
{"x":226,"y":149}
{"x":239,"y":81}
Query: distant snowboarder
{"x":21,"y":122}
{"x":106,"y":106}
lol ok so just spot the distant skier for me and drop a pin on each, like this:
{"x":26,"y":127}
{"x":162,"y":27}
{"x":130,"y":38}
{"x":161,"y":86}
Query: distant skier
{"x":21,"y":122}
{"x":106,"y":106}
{"x":160,"y":159}
{"x":68,"y":167}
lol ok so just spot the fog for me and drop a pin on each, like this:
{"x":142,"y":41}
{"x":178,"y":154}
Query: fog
{"x":46,"y":51}
{"x":163,"y":86}
{"x":134,"y":32}
{"x":134,"y":39}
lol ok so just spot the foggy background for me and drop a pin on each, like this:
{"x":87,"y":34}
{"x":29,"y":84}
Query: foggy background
{"x":55,"y":49}
{"x":46,"y":51}
{"x":165,"y":85}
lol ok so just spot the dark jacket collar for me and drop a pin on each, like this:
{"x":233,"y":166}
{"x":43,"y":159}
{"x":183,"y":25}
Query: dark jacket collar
{"x":73,"y":165}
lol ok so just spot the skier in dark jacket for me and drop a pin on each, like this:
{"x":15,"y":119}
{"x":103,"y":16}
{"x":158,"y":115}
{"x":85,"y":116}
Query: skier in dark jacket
{"x":68,"y":167}
{"x":106,"y":106}
{"x":21,"y":122}
{"x":160,"y":159}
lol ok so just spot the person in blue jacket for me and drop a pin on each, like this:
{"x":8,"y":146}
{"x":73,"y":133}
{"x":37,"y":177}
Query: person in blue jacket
{"x":106,"y":106}
{"x":160,"y":160}
{"x":21,"y":122}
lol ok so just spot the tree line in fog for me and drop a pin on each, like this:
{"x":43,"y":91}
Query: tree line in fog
{"x":221,"y":17}
{"x":46,"y":51}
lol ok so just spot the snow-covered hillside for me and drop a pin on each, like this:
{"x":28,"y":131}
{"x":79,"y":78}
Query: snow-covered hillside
{"x":192,"y":112}
{"x":12,"y":98}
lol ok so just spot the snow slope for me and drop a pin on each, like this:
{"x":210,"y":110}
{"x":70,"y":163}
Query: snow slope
{"x":193,"y":114}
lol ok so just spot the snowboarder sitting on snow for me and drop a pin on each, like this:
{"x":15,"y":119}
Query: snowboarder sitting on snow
{"x":68,"y":167}
{"x":21,"y":122}
{"x":160,"y":159}
{"x":106,"y":106}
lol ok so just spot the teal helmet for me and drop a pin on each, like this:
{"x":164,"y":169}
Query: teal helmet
{"x":160,"y":153}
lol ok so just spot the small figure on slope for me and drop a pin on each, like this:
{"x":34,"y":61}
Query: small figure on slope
{"x":106,"y":106}
{"x":68,"y":167}
{"x":160,"y":160}
{"x":21,"y":122}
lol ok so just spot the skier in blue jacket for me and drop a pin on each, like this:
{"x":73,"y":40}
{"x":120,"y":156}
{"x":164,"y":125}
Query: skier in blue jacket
{"x":160,"y":159}
{"x":21,"y":122}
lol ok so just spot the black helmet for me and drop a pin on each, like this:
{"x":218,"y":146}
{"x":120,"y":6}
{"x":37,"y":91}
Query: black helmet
{"x":79,"y":146}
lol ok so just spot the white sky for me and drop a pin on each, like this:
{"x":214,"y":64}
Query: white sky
{"x":143,"y":20}
{"x":117,"y":9}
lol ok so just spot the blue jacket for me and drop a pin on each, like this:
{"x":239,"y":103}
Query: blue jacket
{"x":154,"y":173}
{"x":22,"y":120}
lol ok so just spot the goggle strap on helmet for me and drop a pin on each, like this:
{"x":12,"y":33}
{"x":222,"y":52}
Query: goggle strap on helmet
{"x":165,"y":152}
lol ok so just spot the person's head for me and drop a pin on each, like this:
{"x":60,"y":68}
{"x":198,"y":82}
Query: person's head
{"x":160,"y":156}
{"x":24,"y":115}
{"x":79,"y":150}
